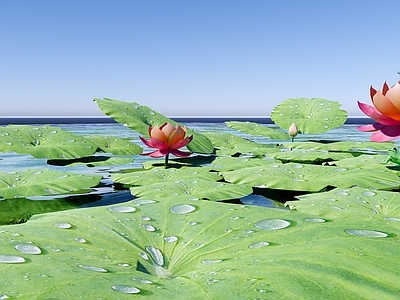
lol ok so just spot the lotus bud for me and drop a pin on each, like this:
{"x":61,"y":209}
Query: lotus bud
{"x":293,"y":131}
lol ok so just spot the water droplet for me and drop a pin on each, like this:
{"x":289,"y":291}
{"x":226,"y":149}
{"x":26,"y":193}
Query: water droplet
{"x":272,"y":224}
{"x":182,"y":209}
{"x":63,"y":225}
{"x":367,"y":233}
{"x":211,"y":261}
{"x":368,"y":193}
{"x":315,"y":220}
{"x":145,"y":218}
{"x":126,"y":289}
{"x":258,"y":245}
{"x":392,"y":219}
{"x":141,"y":280}
{"x":148,"y":227}
{"x":156,"y":255}
{"x":92,"y":268}
{"x":28,"y":249}
{"x":143,"y":255}
{"x":80,"y":240}
{"x":122,"y":209}
{"x":11,"y":259}
{"x":171,"y":239}
{"x":144,"y":201}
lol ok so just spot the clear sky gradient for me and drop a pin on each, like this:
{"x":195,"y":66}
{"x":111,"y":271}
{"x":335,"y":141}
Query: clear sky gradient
{"x":193,"y":58}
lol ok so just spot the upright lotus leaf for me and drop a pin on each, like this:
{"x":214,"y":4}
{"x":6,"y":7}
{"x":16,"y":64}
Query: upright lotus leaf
{"x":197,"y":250}
{"x":230,"y":144}
{"x":139,"y":118}
{"x":197,"y":188}
{"x":159,"y":175}
{"x":309,"y":156}
{"x":115,"y":145}
{"x":312,"y":178}
{"x":339,"y":203}
{"x":351,"y":146}
{"x":43,"y":182}
{"x":44,"y":142}
{"x":257,"y":129}
{"x":311,"y":116}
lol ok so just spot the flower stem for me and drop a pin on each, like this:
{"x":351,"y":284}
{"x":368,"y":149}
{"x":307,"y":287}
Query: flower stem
{"x":166,"y":161}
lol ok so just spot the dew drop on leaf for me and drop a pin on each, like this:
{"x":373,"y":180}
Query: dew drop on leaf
{"x":11,"y":259}
{"x":366,"y":233}
{"x":156,"y":255}
{"x":182,"y":209}
{"x":92,"y":268}
{"x":28,"y":249}
{"x":171,"y":239}
{"x":122,"y":209}
{"x":63,"y":225}
{"x":315,"y":220}
{"x":272,"y":224}
{"x":126,"y":289}
{"x":258,"y":245}
{"x":368,"y":193}
{"x":211,"y":261}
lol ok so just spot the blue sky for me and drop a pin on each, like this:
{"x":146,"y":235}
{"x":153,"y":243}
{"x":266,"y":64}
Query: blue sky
{"x":193,"y":58}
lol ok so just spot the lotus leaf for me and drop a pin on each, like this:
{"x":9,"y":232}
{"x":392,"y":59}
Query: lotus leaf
{"x":197,"y":250}
{"x":43,"y":182}
{"x":197,"y":188}
{"x":311,"y":116}
{"x":139,"y":118}
{"x":158,"y":175}
{"x":44,"y":142}
{"x":312,"y":178}
{"x":115,"y":145}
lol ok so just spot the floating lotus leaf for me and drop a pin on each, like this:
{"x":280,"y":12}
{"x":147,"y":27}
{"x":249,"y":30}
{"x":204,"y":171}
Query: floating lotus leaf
{"x":115,"y":145}
{"x":312,"y":178}
{"x":230,"y":144}
{"x":159,"y":175}
{"x":139,"y":118}
{"x":365,"y":161}
{"x":44,"y":142}
{"x":101,"y":161}
{"x":309,"y":157}
{"x":228,"y":163}
{"x":341,"y":146}
{"x":311,"y":116}
{"x":196,"y":188}
{"x":351,"y":202}
{"x":258,"y":129}
{"x":197,"y":250}
{"x":43,"y":182}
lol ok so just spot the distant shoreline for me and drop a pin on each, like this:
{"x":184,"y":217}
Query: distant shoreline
{"x":182,"y":119}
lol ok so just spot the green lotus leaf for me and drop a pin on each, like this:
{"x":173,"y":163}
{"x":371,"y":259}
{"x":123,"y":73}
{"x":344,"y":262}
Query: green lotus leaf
{"x":228,"y":163}
{"x":19,"y":210}
{"x":43,"y":182}
{"x":309,"y":156}
{"x":355,"y":201}
{"x":44,"y":142}
{"x":311,"y":116}
{"x":139,"y":118}
{"x":365,"y":161}
{"x":105,"y":161}
{"x":115,"y":145}
{"x":312,"y":178}
{"x":197,"y":250}
{"x":197,"y":188}
{"x":230,"y":144}
{"x":341,"y":146}
{"x":159,"y":175}
{"x":258,"y":129}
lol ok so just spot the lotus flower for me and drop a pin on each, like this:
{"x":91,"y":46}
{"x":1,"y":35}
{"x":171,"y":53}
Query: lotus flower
{"x":167,"y":139}
{"x":385,"y":112}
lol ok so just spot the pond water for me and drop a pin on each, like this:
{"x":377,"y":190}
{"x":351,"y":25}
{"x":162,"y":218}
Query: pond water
{"x":106,"y":194}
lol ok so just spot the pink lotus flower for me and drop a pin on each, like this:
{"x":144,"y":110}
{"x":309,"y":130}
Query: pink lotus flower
{"x":167,"y":139}
{"x":385,"y":112}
